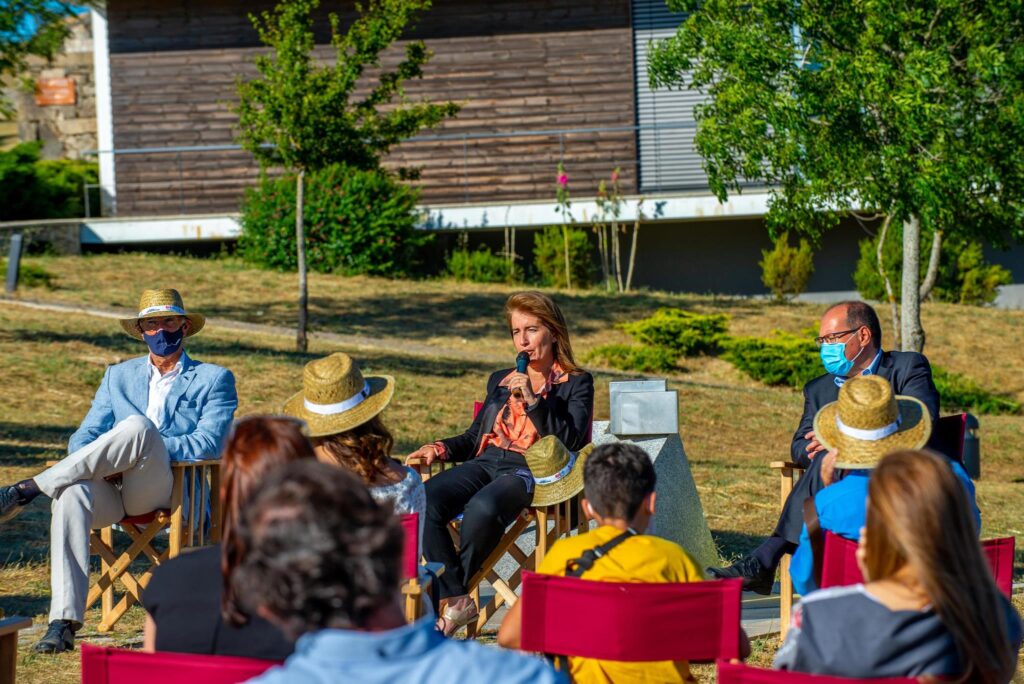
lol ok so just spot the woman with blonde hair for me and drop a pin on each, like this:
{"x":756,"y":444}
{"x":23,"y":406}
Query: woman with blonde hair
{"x":549,"y":394}
{"x":929,"y":606}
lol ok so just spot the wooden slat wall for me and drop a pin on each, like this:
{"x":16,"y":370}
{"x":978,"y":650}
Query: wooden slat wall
{"x":558,"y":64}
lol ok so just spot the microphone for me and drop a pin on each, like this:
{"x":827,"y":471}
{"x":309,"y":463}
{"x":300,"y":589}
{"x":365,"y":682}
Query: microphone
{"x":522,"y":361}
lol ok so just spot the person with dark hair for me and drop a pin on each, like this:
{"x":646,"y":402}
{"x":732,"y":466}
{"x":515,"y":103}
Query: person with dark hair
{"x":929,"y":606}
{"x":342,"y":411}
{"x":551,"y":395}
{"x":323,"y":562}
{"x":850,"y":343}
{"x":147,"y":413}
{"x":619,"y":496}
{"x":191,"y":604}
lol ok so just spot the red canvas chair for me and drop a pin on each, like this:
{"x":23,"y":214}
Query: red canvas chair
{"x":951,"y":431}
{"x":552,"y":522}
{"x":120,"y":666}
{"x":729,"y":673}
{"x":631,"y":621}
{"x":839,"y":566}
{"x":419,"y":577}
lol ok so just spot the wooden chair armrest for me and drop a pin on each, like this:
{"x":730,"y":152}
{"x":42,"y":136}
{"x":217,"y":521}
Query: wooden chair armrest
{"x":204,"y":462}
{"x":14,"y":624}
{"x":785,"y":465}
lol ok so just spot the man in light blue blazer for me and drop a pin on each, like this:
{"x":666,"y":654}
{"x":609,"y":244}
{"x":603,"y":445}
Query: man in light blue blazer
{"x":147,"y":412}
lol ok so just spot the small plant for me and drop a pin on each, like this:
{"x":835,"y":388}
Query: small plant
{"x":959,"y":393}
{"x":479,"y":265}
{"x":683,"y":332}
{"x":32,"y":275}
{"x":781,"y":359}
{"x":31,"y":188}
{"x":356,"y":222}
{"x":979,"y":281}
{"x":549,"y":250}
{"x":634,"y":357}
{"x":786,"y":270}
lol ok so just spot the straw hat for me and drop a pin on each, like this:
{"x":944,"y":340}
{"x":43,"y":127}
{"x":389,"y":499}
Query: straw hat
{"x":159,"y":303}
{"x":557,"y":472}
{"x":335,"y":396}
{"x":868,"y":422}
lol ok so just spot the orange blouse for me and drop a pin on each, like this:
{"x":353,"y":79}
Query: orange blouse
{"x":513,"y":430}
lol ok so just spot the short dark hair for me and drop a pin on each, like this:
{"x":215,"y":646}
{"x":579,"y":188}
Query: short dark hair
{"x":321,"y":553}
{"x":616,"y":479}
{"x":860,"y":313}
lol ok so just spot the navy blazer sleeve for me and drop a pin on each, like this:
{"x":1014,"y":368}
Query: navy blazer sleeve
{"x":567,"y":418}
{"x":798,"y":449}
{"x":461,"y":447}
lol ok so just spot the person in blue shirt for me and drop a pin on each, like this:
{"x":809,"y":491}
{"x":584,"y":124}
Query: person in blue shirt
{"x":866,"y":423}
{"x":323,"y":563}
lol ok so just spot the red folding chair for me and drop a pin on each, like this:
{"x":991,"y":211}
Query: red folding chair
{"x":729,"y":673}
{"x":630,"y":621}
{"x":120,"y":666}
{"x":839,"y":566}
{"x":419,"y":577}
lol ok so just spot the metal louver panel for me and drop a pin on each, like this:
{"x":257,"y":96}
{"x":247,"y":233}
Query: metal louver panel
{"x":666,"y":126}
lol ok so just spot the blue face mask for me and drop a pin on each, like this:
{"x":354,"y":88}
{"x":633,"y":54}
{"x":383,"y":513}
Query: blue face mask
{"x":833,"y":356}
{"x":164,"y":342}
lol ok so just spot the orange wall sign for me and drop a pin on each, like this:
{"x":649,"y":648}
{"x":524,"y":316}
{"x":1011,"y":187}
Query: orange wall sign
{"x":55,"y":91}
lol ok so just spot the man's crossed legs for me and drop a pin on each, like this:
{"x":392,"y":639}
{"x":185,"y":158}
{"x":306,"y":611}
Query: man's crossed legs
{"x":83,"y":499}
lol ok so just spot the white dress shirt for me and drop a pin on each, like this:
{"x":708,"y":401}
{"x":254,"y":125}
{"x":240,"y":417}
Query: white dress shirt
{"x":159,"y":388}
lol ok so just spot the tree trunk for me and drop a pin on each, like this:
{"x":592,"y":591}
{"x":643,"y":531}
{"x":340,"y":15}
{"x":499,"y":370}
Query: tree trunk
{"x":300,"y":240}
{"x":882,"y":234}
{"x":632,"y":256}
{"x":603,"y":254}
{"x":565,"y":240}
{"x":913,"y":333}
{"x":933,"y":266}
{"x":617,"y":257}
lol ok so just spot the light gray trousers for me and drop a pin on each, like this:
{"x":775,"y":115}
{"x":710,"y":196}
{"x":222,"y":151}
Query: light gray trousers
{"x":83,"y":500}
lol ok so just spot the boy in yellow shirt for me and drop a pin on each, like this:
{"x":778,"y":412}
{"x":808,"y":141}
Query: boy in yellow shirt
{"x":619,"y":495}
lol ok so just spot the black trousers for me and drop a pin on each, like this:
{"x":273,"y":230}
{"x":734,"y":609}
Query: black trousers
{"x":786,"y":536}
{"x":490,"y":491}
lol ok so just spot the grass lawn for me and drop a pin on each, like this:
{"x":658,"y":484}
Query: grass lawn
{"x":51,"y":364}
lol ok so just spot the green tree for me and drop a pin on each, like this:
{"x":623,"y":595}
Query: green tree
{"x":304,"y":116}
{"x":786,"y":270}
{"x":909,"y":111}
{"x":31,"y":28}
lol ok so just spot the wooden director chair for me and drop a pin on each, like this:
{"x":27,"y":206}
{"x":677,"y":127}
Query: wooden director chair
{"x":186,"y":528}
{"x":951,"y":431}
{"x":551,"y":523}
{"x":419,"y":577}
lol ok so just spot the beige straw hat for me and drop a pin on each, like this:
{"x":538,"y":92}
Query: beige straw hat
{"x":557,"y":472}
{"x":159,"y":303}
{"x":335,"y":396}
{"x":868,"y":422}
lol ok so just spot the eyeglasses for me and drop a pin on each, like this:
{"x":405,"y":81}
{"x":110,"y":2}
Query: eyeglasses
{"x":837,"y":336}
{"x":832,"y":338}
{"x":171,"y":323}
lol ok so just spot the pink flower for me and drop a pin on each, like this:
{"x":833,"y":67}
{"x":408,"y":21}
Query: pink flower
{"x":615,"y":176}
{"x":563,"y":179}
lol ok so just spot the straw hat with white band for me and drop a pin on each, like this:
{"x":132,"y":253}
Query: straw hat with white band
{"x":335,"y":396}
{"x":557,"y":472}
{"x":869,"y":421}
{"x":160,"y":303}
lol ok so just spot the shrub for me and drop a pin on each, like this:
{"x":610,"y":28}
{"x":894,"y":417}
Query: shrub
{"x":684,"y":332}
{"x":634,"y":357}
{"x":786,"y":270}
{"x":356,"y":221}
{"x":32,"y":275}
{"x":549,"y":257}
{"x":479,"y":266}
{"x":35,"y":189}
{"x":959,"y":393}
{"x":964,"y":276}
{"x":781,"y":359}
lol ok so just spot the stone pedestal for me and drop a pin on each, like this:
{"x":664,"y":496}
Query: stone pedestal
{"x":679,"y":515}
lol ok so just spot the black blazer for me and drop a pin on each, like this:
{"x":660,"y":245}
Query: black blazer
{"x":909,"y":373}
{"x":566,"y":413}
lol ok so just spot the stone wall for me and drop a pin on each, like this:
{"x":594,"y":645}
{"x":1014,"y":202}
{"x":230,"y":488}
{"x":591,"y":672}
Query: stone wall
{"x":67,"y":131}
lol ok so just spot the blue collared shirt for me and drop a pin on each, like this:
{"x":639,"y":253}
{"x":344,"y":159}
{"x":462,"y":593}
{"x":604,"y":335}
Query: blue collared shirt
{"x":870,"y":370}
{"x":413,"y":653}
{"x":842,"y":510}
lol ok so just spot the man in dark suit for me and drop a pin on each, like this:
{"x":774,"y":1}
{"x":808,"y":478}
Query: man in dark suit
{"x":850,"y":341}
